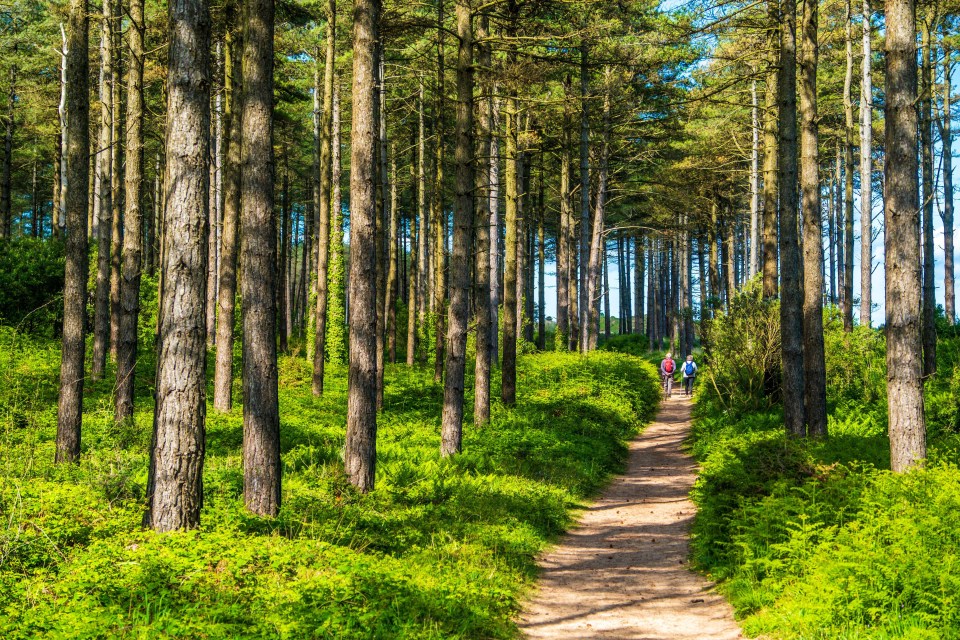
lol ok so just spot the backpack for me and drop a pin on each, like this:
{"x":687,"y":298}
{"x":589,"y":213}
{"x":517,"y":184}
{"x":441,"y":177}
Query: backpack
{"x":668,"y":366}
{"x":689,"y":368}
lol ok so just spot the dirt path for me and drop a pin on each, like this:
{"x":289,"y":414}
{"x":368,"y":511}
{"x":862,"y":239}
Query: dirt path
{"x":622,"y":572}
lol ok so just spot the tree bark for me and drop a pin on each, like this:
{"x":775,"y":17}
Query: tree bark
{"x":175,"y":484}
{"x":102,"y":205}
{"x":133,"y":220}
{"x":283,"y":284}
{"x":586,"y":303}
{"x":541,"y":274}
{"x":946,"y":136}
{"x":6,"y":178}
{"x":360,"y":449}
{"x":258,"y":271}
{"x":116,"y":187}
{"x":771,"y":153}
{"x":907,"y":429}
{"x":423,"y":237}
{"x":929,"y":331}
{"x":227,"y":293}
{"x":76,"y":194}
{"x":508,"y":390}
{"x":791,"y":297}
{"x":494,"y":230}
{"x":866,"y":175}
{"x":452,"y":424}
{"x":814,"y":367}
{"x":598,"y":233}
{"x":481,"y":379}
{"x":439,"y":214}
{"x":390,"y":299}
{"x":846,"y":302}
{"x":754,"y":260}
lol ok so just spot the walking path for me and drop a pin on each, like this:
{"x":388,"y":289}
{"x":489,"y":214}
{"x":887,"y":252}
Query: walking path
{"x":622,"y":572}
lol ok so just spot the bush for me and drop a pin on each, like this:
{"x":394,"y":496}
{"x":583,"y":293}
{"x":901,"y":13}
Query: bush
{"x":31,"y":284}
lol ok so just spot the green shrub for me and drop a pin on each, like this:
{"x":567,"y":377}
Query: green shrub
{"x":31,"y":284}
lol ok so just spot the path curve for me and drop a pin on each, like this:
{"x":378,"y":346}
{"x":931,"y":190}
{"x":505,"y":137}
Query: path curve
{"x":622,"y":572}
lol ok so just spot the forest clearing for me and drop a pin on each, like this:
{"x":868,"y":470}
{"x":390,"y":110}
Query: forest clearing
{"x":327,"y":319}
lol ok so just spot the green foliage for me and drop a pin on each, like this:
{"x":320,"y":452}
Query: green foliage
{"x":817,"y":539}
{"x":634,"y":344}
{"x":742,"y":349}
{"x":31,"y":284}
{"x":441,"y":549}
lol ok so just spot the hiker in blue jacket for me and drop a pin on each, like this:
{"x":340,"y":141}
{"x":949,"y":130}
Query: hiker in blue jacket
{"x":688,"y":372}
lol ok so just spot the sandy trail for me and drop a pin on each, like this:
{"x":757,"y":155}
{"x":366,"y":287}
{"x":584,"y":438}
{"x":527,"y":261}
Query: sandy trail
{"x":622,"y":572}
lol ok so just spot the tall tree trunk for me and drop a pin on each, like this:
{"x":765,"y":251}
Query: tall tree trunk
{"x":508,"y":390}
{"x":840,"y":239}
{"x":771,"y":153}
{"x":755,"y":228}
{"x":258,"y":259}
{"x":586,"y":302}
{"x":116,"y":187}
{"x":175,"y":484}
{"x":390,"y":299}
{"x":227,"y":293}
{"x":102,"y":205}
{"x":866,"y":175}
{"x":495,"y":230}
{"x":847,"y":298}
{"x":481,"y":379}
{"x":730,"y":242}
{"x":133,"y":219}
{"x":791,"y":299}
{"x":908,"y":445}
{"x":949,"y":297}
{"x":541,"y":275}
{"x":713,"y":297}
{"x":562,"y":335}
{"x":383,"y":214}
{"x":413,"y":282}
{"x":336,"y":341}
{"x":814,"y":367}
{"x":323,"y":202}
{"x":283,"y":235}
{"x":360,"y":450}
{"x":929,"y":331}
{"x":76,"y":194}
{"x":439,"y":213}
{"x":452,"y":425}
{"x":423,"y":238}
{"x":605,"y":267}
{"x":638,"y":282}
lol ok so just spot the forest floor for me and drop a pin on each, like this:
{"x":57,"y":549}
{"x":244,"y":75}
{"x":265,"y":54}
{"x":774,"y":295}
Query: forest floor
{"x":623,"y":571}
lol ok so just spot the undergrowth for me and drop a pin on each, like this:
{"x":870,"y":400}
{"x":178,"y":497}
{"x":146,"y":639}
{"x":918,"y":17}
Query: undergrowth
{"x":441,"y":548}
{"x":818,"y":539}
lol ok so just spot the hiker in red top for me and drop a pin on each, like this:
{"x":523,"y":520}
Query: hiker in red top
{"x":667,"y":369}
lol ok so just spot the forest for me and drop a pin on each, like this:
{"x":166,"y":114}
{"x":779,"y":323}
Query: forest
{"x":333,"y":319}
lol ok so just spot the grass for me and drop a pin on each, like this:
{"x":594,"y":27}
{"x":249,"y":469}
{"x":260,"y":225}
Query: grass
{"x":441,"y":548}
{"x":819,"y":539}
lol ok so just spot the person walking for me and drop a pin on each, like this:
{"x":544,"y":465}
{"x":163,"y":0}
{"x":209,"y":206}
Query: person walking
{"x":687,"y":373}
{"x":667,"y":369}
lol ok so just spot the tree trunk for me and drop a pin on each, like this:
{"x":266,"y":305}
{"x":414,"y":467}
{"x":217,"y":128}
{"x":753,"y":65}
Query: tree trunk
{"x":423,"y":237}
{"x":606,"y":291}
{"x":439,"y":214}
{"x":360,"y":449}
{"x":258,"y":259}
{"x":713,"y":272}
{"x":847,"y":298}
{"x":283,"y":235}
{"x":638,"y":282}
{"x":754,"y":260}
{"x":227,"y":293}
{"x":452,"y":425}
{"x":494,"y":231}
{"x":116,"y":197}
{"x":586,"y":302}
{"x":102,"y":205}
{"x":791,"y":299}
{"x":481,"y":380}
{"x":336,"y":339}
{"x":133,"y":220}
{"x":866,"y":175}
{"x":541,"y":275}
{"x":814,"y":367}
{"x":562,"y":335}
{"x":323,"y":203}
{"x":175,"y":484}
{"x":771,"y":153}
{"x":508,"y":391}
{"x":929,"y":331}
{"x":907,"y":429}
{"x":390,"y":299}
{"x":76,"y":194}
{"x":949,"y":302}
{"x":413,"y":282}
